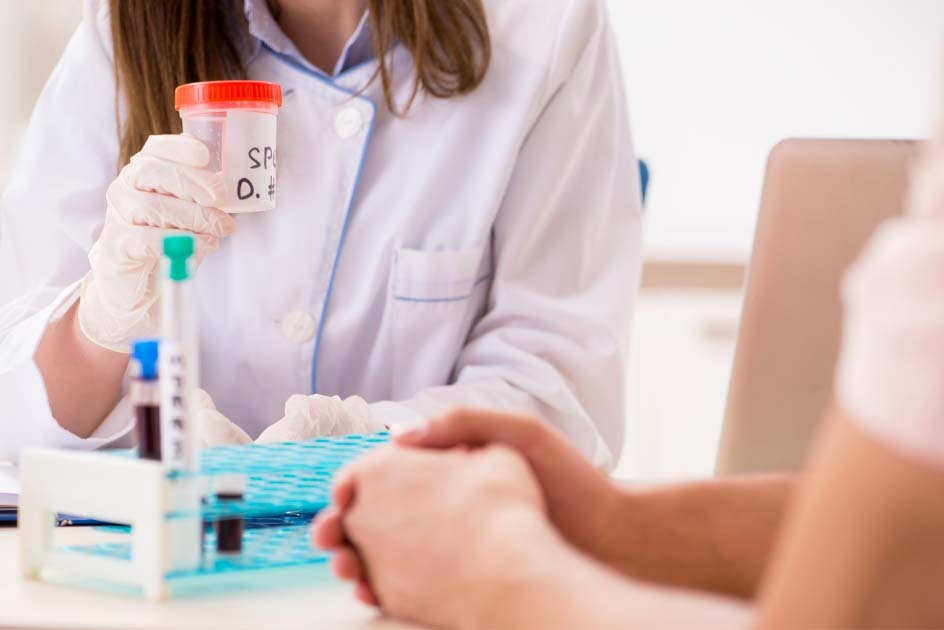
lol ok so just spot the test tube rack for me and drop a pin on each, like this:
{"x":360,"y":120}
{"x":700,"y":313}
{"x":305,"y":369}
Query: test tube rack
{"x":285,"y":484}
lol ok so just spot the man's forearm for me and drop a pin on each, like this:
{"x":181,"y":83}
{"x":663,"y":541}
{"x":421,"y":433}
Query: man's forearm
{"x":862,"y":546}
{"x":713,"y":535}
{"x":542,"y":582}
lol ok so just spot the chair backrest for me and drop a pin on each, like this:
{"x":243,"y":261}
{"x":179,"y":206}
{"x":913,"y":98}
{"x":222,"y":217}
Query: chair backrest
{"x":822,"y":200}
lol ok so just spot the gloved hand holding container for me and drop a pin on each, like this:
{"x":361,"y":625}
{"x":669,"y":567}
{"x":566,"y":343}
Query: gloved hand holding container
{"x":237,"y":122}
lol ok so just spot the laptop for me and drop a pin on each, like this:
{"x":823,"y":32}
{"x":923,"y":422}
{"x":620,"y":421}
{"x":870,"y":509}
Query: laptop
{"x":822,"y":199}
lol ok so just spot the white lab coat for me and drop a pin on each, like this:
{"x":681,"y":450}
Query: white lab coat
{"x":483,"y":251}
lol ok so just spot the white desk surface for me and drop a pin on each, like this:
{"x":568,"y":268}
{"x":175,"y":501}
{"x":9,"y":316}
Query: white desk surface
{"x":32,"y":604}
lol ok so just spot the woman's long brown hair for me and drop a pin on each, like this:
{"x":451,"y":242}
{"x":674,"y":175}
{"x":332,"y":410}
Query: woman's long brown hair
{"x":160,"y":45}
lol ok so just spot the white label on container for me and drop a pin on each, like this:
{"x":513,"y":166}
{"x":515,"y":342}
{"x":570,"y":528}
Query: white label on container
{"x":249,"y":161}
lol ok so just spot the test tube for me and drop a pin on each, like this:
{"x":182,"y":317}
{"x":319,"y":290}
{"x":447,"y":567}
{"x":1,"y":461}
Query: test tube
{"x":145,"y":397}
{"x":179,"y":370}
{"x":178,"y":357}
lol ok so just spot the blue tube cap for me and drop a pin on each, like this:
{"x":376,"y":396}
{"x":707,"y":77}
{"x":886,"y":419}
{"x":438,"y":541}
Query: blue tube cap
{"x":145,"y":352}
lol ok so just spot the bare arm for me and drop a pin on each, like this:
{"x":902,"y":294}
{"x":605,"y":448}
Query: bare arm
{"x":83,"y":380}
{"x":514,"y":569}
{"x":713,"y":535}
{"x":878,"y":518}
{"x":541,"y":582}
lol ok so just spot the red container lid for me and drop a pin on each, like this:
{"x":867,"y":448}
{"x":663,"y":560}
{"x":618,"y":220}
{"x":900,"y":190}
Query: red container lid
{"x":229,"y":92}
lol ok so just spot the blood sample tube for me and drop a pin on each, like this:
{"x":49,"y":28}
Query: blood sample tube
{"x":146,"y":398}
{"x":229,"y":529}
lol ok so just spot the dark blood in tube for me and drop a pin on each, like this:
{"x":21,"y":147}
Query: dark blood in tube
{"x":149,"y":431}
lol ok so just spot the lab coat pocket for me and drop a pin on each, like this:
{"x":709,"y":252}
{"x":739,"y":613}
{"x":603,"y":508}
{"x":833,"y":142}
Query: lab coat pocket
{"x":438,"y":296}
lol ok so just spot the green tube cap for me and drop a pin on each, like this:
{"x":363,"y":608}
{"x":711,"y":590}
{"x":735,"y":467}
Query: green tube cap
{"x":178,"y":249}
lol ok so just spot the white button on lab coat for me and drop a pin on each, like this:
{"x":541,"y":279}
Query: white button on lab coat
{"x":482,"y":251}
{"x":299,"y":327}
{"x":349,"y":122}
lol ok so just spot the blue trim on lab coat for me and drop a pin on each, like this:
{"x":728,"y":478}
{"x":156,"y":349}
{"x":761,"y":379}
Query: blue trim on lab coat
{"x":337,"y":255}
{"x":347,"y":213}
{"x":457,"y":298}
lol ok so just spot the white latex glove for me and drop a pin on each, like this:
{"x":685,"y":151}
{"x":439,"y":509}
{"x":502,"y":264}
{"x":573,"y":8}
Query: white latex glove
{"x":164,"y":189}
{"x":308,"y":417}
{"x":890,"y":376}
{"x":213,"y":428}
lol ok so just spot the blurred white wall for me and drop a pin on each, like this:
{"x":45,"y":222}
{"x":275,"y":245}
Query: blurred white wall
{"x":715,"y":84}
{"x":33,"y":34}
{"x":712,"y":86}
